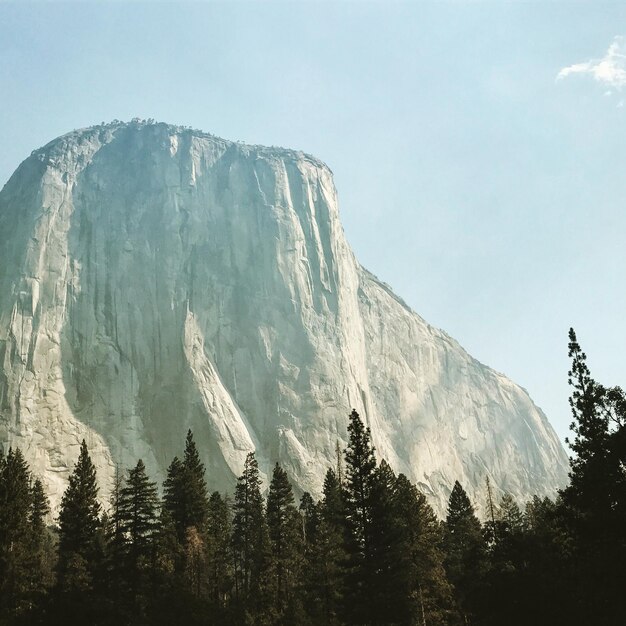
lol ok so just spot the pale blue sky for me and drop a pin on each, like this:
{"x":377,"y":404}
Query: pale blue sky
{"x":487,"y":193}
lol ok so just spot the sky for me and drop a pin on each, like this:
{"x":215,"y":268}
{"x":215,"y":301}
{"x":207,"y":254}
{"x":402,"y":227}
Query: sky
{"x":478,"y":149}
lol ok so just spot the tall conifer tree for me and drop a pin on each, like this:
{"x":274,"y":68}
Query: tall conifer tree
{"x":173,"y":497}
{"x":310,"y":517}
{"x":465,"y":552}
{"x":326,"y":556}
{"x":507,"y":564}
{"x":185,"y":491}
{"x":426,"y":590}
{"x":195,"y":495}
{"x":359,"y":482}
{"x":41,"y":546}
{"x":286,"y":540}
{"x":79,"y":523}
{"x":250,"y":540}
{"x":137,"y":517}
{"x":16,"y":502}
{"x":595,"y":500}
{"x":385,"y":576}
{"x":219,"y":555}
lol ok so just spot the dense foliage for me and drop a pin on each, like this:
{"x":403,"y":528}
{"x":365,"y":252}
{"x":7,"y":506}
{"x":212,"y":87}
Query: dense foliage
{"x":370,"y":552}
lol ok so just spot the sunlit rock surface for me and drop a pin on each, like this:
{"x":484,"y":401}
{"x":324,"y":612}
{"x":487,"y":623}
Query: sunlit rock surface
{"x":155,"y":279}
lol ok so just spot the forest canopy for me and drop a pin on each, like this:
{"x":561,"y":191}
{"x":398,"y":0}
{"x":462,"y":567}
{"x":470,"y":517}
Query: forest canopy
{"x":370,"y":551}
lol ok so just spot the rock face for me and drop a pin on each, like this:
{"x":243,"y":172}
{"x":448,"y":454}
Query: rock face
{"x":155,"y":279}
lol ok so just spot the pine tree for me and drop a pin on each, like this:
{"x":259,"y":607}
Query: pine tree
{"x":168,"y":550}
{"x":591,"y":428}
{"x":136,"y":518}
{"x":195,"y":494}
{"x":360,"y":477}
{"x":183,"y":542}
{"x":339,"y":463}
{"x":551,"y":566}
{"x":427,"y":594}
{"x":333,"y":503}
{"x":489,"y":528}
{"x":286,"y":542}
{"x":310,"y":518}
{"x":250,"y":541}
{"x":595,"y":500}
{"x":325,"y":555}
{"x":169,"y":563}
{"x":16,"y":510}
{"x":196,"y":566}
{"x":220,"y":574}
{"x":173,"y":497}
{"x":360,"y":468}
{"x":507,"y":565}
{"x":510,"y":516}
{"x":79,"y":523}
{"x":597,"y":492}
{"x":40,"y":507}
{"x":41,"y":546}
{"x":465,"y":552}
{"x":185,"y":491}
{"x":116,"y":541}
{"x":385,"y":574}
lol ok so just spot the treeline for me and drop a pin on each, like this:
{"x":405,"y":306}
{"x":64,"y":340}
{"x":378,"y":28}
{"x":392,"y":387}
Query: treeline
{"x":371,"y":551}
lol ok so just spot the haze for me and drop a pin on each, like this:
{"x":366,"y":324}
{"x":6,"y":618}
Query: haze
{"x":477,"y":149}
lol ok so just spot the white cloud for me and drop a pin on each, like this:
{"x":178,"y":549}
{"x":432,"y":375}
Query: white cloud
{"x":610,"y":70}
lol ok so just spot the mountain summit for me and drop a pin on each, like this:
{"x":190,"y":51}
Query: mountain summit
{"x":155,"y":279}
